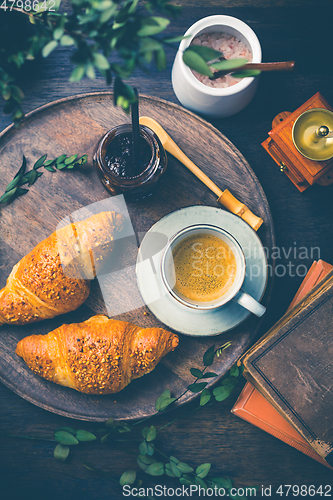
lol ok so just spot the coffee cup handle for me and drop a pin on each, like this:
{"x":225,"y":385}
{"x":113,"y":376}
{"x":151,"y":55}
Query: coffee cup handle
{"x":245,"y":300}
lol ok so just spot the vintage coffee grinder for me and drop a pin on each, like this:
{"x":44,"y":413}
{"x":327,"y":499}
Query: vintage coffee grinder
{"x":301,"y":143}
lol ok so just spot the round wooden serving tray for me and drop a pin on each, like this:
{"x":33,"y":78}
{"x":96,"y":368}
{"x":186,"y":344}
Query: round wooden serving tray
{"x":74,"y":125}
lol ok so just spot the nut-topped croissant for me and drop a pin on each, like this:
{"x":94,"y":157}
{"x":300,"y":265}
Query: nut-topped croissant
{"x":97,"y":356}
{"x":54,"y":277}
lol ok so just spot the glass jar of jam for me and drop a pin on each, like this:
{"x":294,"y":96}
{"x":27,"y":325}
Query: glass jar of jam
{"x":118,"y":171}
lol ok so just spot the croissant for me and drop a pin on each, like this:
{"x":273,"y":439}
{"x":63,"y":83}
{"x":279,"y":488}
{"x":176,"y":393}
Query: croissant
{"x":98,"y":356}
{"x":54,"y":277}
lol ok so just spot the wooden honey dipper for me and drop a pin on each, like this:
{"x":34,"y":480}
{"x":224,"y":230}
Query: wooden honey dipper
{"x":226,"y":199}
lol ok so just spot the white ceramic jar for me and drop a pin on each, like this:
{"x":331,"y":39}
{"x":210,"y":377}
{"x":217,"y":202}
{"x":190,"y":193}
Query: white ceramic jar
{"x":215,"y":102}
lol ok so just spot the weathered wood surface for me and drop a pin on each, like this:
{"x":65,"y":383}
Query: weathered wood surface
{"x":75,"y":125}
{"x":303,"y":228}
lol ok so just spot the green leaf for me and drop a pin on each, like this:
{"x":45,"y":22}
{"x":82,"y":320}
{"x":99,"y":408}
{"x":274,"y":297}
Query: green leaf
{"x":60,"y":166}
{"x":60,"y":159}
{"x":155,"y":469}
{"x":149,"y":44}
{"x":224,"y":482}
{"x":15,"y":182}
{"x":196,"y":372}
{"x":196,"y":62}
{"x":39,"y":163}
{"x":32,"y":177}
{"x":246,"y":73}
{"x":200,"y":482}
{"x":165,"y":395}
{"x":7,"y":197}
{"x":16,"y":93}
{"x":144,"y":461}
{"x":150,"y":449}
{"x":67,"y":429}
{"x":49,"y":162}
{"x":210,"y":375}
{"x":50,"y":169}
{"x":149,"y":433}
{"x":67,"y":41}
{"x":185,"y":481}
{"x":168,"y":470}
{"x":143,"y":448}
{"x":175,"y":469}
{"x":77,"y":73}
{"x":133,"y":6}
{"x":110,"y":422}
{"x":184,"y":468}
{"x":58,"y":32}
{"x":64,"y":437}
{"x":234,"y":371}
{"x":124,"y":428}
{"x":102,"y":5}
{"x":85,"y":436}
{"x":70,"y":159}
{"x":160,"y":59}
{"x":100,"y":61}
{"x":22,"y":168}
{"x":206,"y":53}
{"x":6,"y":92}
{"x":205,"y":397}
{"x":61,"y":452}
{"x":49,"y":47}
{"x":152,"y":26}
{"x":175,"y":39}
{"x":203,"y":470}
{"x":167,"y":402}
{"x":209,"y":355}
{"x":21,"y":191}
{"x":82,"y":160}
{"x":128,"y":477}
{"x":107,"y":14}
{"x":105,"y":438}
{"x":90,"y":71}
{"x":197,"y":387}
{"x":174,"y":460}
{"x":227,"y":64}
{"x":221,"y":393}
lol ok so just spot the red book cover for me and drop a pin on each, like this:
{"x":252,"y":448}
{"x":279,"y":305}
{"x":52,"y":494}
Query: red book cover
{"x":254,"y":408}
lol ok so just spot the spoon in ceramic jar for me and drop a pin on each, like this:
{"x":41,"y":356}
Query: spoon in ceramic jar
{"x":225,"y":197}
{"x":271,"y":66}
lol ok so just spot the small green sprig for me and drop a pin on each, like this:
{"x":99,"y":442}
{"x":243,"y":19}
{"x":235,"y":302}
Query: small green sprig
{"x":150,"y":459}
{"x":14,"y":189}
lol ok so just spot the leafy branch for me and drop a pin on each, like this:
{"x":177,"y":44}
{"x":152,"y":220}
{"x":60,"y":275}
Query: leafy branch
{"x":151,"y":460}
{"x":22,"y":177}
{"x":108,"y":36}
{"x":146,"y":459}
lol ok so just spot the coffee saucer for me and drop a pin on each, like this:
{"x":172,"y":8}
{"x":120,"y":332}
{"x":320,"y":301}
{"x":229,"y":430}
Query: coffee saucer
{"x":176,"y":315}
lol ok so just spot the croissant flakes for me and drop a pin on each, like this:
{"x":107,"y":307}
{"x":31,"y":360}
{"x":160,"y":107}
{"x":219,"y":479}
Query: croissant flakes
{"x":98,"y":356}
{"x":53,"y":278}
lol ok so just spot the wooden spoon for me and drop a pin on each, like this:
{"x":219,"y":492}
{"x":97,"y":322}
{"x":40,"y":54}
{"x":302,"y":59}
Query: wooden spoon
{"x":271,"y":66}
{"x":224,"y":197}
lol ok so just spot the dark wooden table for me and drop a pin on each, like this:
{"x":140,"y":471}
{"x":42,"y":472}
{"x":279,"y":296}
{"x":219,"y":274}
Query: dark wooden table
{"x":288,"y":30}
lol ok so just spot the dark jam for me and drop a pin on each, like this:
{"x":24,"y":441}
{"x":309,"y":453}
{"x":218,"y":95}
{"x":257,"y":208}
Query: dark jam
{"x":119,"y":156}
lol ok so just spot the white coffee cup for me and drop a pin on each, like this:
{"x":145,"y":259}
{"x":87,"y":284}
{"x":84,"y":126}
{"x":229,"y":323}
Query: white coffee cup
{"x":234,"y":292}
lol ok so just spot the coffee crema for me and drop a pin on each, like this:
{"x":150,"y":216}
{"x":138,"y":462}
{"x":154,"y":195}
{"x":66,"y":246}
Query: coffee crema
{"x":205,"y":267}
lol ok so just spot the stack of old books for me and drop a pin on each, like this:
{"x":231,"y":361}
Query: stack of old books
{"x":289,"y":392}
